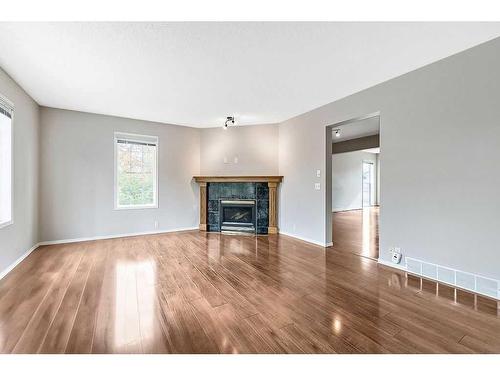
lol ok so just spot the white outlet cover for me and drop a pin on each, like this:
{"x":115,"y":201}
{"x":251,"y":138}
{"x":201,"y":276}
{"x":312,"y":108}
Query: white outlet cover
{"x":396,"y":258}
{"x":318,"y":172}
{"x":317,"y":186}
{"x":235,"y":160}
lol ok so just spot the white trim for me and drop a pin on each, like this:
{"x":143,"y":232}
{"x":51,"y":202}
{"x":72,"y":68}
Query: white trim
{"x":455,"y":271}
{"x":392,"y":265}
{"x":17,"y":261}
{"x":7,"y":223}
{"x":138,"y":207}
{"x":322,"y":244}
{"x":142,"y":138}
{"x":110,"y":236}
{"x":454,"y":285}
{"x":339,"y":209}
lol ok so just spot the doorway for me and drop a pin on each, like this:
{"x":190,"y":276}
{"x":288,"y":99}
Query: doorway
{"x":353,"y":186}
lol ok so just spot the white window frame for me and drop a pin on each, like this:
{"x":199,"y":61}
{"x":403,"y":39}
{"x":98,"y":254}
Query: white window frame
{"x":137,"y":138}
{"x":11,"y":221}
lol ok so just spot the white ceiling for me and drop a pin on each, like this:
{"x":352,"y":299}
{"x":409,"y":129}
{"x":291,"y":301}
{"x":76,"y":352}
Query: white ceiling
{"x":357,"y":129}
{"x":198,"y":73}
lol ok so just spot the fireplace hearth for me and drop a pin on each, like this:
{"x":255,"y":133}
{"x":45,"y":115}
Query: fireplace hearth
{"x":237,"y":216}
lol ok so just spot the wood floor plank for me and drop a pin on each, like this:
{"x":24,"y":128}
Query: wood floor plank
{"x":104,"y":340}
{"x":57,"y":336}
{"x":82,"y":333}
{"x":153,"y":338}
{"x":23,"y":305}
{"x":39,"y":324}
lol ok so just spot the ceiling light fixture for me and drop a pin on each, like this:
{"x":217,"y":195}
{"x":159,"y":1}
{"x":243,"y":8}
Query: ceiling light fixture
{"x":228,"y":119}
{"x":337,"y":132}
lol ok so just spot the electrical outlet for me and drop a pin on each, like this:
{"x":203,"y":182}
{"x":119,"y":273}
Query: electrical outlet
{"x":396,"y":258}
{"x":395,"y":254}
{"x":318,"y":172}
{"x":235,"y":160}
{"x":156,"y":224}
{"x":317,"y":186}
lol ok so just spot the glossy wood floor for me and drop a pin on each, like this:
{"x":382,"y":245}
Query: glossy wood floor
{"x":193,"y":292}
{"x":356,"y":231}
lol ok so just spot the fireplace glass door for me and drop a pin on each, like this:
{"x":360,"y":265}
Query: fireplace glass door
{"x":238,"y":215}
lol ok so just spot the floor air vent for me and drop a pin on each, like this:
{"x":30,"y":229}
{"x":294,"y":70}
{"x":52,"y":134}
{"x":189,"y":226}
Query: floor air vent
{"x":465,"y":280}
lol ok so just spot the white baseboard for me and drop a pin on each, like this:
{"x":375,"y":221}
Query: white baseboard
{"x":392,"y":265}
{"x":314,"y":242}
{"x":110,"y":236}
{"x":454,"y":284}
{"x":17,"y":261}
{"x":346,"y":209}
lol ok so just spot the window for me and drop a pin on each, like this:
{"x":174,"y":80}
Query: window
{"x":368,"y":179}
{"x":6,"y":113}
{"x":136,"y":171}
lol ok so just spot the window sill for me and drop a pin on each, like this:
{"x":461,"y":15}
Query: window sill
{"x":118,"y":208}
{"x":6,"y":224}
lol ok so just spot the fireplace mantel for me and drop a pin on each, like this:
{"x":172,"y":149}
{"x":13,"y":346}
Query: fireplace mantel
{"x":272,"y":183}
{"x":276,"y":179}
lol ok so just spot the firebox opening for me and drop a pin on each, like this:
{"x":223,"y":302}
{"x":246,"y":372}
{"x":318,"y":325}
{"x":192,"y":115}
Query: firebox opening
{"x":237,"y":216}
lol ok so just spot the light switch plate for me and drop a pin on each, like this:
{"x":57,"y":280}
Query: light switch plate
{"x":317,"y":186}
{"x":318,"y":172}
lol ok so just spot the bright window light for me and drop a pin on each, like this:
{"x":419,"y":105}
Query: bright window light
{"x":136,"y":171}
{"x":6,"y":113}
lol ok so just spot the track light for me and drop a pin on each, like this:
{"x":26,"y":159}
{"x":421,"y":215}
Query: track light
{"x":337,"y":133}
{"x":228,"y":119}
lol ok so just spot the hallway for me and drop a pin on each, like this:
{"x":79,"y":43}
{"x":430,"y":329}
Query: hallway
{"x":356,"y":231}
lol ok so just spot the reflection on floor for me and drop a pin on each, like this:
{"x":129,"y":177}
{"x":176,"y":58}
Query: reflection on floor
{"x":356,"y":231}
{"x":197,"y":292}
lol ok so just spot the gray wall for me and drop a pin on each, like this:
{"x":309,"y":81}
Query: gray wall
{"x":19,"y":237}
{"x":438,"y":203}
{"x":77,"y":167}
{"x":347,"y":189}
{"x":256,"y":148}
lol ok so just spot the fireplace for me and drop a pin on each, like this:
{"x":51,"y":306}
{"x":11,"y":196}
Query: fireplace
{"x":237,"y":216}
{"x":260,"y":191}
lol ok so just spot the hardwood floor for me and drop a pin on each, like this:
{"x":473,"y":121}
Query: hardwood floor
{"x":196,"y":292}
{"x":356,"y":231}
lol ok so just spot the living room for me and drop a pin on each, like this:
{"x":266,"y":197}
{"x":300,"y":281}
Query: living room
{"x":217,"y":187}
